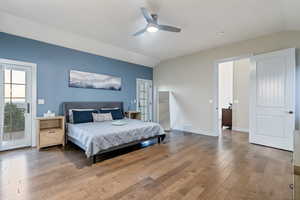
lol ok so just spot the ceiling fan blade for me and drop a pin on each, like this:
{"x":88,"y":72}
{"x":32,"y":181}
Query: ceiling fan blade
{"x":140,"y":32}
{"x":147,"y":15}
{"x":169,"y":28}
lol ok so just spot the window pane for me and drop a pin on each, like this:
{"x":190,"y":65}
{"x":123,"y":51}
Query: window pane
{"x":7,"y":91}
{"x":7,"y":76}
{"x":18,"y":101}
{"x":18,"y":91}
{"x":14,"y":121}
{"x":7,"y":100}
{"x":18,"y":77}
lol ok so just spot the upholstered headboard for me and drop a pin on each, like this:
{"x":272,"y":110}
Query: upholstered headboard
{"x":89,"y":105}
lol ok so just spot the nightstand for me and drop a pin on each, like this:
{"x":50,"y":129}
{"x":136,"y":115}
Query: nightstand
{"x":50,"y":131}
{"x":133,"y":115}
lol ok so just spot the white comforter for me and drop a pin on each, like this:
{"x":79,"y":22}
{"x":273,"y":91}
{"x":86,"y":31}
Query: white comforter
{"x":99,"y":136}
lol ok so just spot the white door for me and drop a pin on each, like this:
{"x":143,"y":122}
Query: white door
{"x":15,"y":105}
{"x":144,"y":98}
{"x":272,"y":99}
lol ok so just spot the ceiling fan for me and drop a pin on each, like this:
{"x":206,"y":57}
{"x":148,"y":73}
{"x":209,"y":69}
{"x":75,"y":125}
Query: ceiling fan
{"x":152,"y":24}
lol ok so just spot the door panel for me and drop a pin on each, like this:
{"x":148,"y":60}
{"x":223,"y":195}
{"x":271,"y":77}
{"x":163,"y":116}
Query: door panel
{"x":271,"y":82}
{"x":264,"y":128}
{"x":144,"y":99}
{"x":272,"y":97}
{"x":15,"y":123}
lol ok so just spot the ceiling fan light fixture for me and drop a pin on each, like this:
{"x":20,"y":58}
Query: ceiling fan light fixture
{"x":153,"y":26}
{"x":152,"y":29}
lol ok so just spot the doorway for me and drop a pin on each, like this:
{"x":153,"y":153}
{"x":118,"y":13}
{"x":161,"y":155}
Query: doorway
{"x":233,"y":94}
{"x":17,"y":104}
{"x":271,"y":99}
{"x":225,"y":94}
{"x":144,"y":93}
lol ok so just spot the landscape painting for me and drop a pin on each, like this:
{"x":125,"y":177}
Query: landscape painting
{"x":80,"y":79}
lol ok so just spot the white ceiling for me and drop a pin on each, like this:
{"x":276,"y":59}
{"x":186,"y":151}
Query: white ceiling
{"x":112,"y":22}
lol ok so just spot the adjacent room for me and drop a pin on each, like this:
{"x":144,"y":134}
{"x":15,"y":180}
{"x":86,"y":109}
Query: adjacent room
{"x":233,"y":94}
{"x":150,"y":100}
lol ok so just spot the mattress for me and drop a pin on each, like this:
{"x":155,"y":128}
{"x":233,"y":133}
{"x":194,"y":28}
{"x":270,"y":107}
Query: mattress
{"x":97,"y":136}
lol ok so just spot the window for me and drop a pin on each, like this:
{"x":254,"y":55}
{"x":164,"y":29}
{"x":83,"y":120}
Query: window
{"x":15,"y":86}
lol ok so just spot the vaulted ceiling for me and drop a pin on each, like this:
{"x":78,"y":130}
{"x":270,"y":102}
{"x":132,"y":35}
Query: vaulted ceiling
{"x":111,"y":23}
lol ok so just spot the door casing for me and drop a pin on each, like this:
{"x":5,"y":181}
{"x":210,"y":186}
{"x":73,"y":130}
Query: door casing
{"x":215,"y":100}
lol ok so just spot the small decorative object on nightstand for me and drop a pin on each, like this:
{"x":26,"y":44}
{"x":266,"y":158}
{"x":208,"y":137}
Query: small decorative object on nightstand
{"x":49,"y":114}
{"x":133,"y":115}
{"x":50,"y":131}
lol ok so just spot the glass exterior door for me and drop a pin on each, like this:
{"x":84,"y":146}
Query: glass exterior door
{"x":15,"y":116}
{"x":144,"y":99}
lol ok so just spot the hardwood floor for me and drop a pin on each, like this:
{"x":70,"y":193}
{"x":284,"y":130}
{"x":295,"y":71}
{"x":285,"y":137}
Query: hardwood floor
{"x":187,"y":166}
{"x":297,"y":187}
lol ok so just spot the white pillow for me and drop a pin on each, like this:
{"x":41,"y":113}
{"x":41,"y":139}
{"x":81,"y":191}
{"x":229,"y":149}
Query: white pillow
{"x":71,"y":114}
{"x":101,"y":117}
{"x":116,"y":108}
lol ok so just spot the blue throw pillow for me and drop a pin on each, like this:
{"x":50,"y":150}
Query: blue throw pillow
{"x":83,"y":116}
{"x":116,"y":113}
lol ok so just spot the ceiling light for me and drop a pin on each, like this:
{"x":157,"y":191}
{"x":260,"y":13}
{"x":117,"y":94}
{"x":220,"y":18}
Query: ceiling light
{"x":152,"y":29}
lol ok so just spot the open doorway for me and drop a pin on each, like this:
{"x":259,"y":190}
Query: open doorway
{"x":263,"y":102}
{"x":233,"y":94}
{"x":225,"y":94}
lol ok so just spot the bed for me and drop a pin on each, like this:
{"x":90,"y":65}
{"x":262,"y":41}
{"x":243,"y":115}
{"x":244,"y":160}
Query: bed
{"x":96,"y":138}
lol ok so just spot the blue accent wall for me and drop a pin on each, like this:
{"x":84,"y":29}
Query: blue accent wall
{"x":55,"y":62}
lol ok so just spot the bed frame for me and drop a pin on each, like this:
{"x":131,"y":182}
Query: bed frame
{"x":98,"y":105}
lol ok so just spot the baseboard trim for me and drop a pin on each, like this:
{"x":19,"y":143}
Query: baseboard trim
{"x":240,"y":129}
{"x":297,"y":170}
{"x":207,"y":133}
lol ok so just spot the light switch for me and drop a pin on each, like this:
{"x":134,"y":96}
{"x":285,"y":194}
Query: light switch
{"x":210,"y":101}
{"x":41,"y":101}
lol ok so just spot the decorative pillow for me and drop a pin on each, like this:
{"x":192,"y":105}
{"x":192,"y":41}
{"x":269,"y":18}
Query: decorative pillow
{"x":71,"y":113}
{"x":115,"y":112}
{"x":115,"y":108}
{"x":101,"y":117}
{"x":83,"y":116}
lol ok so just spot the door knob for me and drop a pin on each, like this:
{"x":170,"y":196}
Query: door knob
{"x":291,"y":112}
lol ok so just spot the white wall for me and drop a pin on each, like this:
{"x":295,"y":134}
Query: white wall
{"x":190,"y":79}
{"x":164,"y":109}
{"x":225,"y":85}
{"x":240,"y":108}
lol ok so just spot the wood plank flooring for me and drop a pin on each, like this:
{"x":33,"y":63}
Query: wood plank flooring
{"x":297,"y":187}
{"x":187,"y":166}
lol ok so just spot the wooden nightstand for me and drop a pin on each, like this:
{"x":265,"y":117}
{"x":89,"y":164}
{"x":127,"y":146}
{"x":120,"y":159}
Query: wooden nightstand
{"x":50,"y":131}
{"x":133,"y":115}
